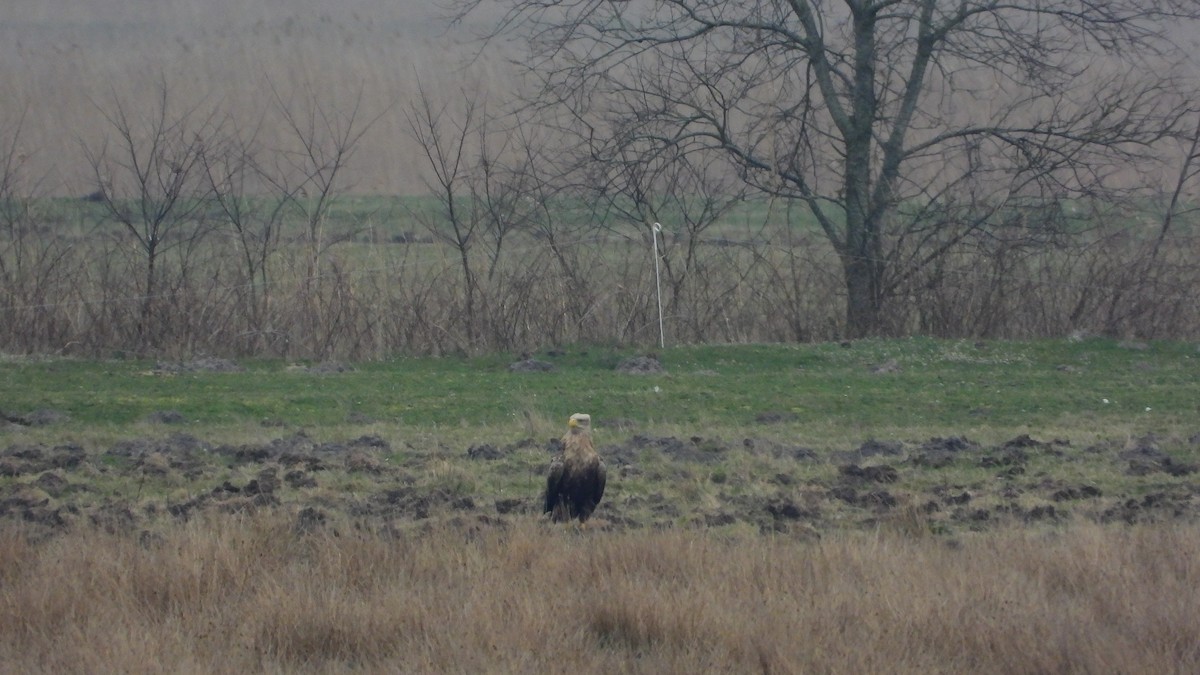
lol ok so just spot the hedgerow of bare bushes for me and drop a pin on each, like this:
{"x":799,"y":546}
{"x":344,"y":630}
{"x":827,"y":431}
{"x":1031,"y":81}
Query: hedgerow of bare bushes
{"x":188,"y":260}
{"x":83,"y":297}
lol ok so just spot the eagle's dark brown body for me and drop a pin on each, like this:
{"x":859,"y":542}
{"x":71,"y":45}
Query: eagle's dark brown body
{"x":577,"y":476}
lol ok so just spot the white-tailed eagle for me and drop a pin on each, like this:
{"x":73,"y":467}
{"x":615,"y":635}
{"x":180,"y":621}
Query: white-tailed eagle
{"x":576,"y":480}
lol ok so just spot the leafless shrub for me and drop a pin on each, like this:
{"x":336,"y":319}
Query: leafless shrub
{"x":243,"y":263}
{"x":149,"y":182}
{"x":35,"y":264}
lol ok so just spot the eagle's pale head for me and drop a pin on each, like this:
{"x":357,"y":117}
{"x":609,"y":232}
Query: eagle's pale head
{"x":581,"y":421}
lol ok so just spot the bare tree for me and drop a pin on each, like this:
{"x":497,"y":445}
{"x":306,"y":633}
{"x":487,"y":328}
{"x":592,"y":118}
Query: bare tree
{"x":149,"y":180}
{"x":687,"y":193}
{"x":1150,"y":281}
{"x":484,"y":185}
{"x":34,"y":264}
{"x":307,"y":174}
{"x":874,"y":114}
{"x":254,"y":203}
{"x":323,"y":139}
{"x":446,"y":143}
{"x":551,"y":184}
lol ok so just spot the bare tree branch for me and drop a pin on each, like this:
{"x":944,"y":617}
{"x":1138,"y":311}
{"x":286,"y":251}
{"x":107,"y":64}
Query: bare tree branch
{"x":858,"y":109}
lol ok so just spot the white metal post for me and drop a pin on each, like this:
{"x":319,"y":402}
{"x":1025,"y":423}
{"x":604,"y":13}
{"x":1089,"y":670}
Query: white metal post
{"x":662,"y":335}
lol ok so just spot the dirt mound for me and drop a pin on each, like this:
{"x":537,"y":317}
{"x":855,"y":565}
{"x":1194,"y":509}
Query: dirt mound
{"x":42,"y":417}
{"x":531,"y":366}
{"x":34,"y":506}
{"x":298,"y":479}
{"x":310,"y":519}
{"x":1074,"y":493}
{"x":779,"y":450}
{"x":871,"y":448}
{"x":20,"y":460}
{"x":359,"y":460}
{"x":885,"y":368}
{"x":203,"y":365}
{"x":52,"y":483}
{"x":772,"y":485}
{"x":1155,"y":507}
{"x":939,"y":452}
{"x":411,"y":503}
{"x":1013,"y":459}
{"x":166,"y":417}
{"x":1146,"y":456}
{"x":783,"y":508}
{"x":329,"y":368}
{"x":695,"y":449}
{"x":879,"y":500}
{"x":641,"y":365}
{"x":514,"y":505}
{"x":619,"y":455}
{"x":300,"y":449}
{"x":485,"y":451}
{"x":869,"y":474}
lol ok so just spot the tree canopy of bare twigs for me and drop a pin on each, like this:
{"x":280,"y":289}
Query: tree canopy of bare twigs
{"x":904,"y":127}
{"x":149,"y":177}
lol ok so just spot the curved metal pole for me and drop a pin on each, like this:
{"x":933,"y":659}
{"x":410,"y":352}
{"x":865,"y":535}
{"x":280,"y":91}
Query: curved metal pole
{"x":662,"y":335}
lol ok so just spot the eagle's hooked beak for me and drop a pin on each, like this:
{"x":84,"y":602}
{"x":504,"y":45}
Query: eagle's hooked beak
{"x":572,"y":423}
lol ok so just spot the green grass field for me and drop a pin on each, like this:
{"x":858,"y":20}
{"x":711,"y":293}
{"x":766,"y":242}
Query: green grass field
{"x":822,"y":393}
{"x":719,"y":435}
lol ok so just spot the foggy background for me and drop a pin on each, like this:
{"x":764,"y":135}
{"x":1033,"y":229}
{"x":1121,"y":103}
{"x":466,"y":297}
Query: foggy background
{"x":61,"y":59}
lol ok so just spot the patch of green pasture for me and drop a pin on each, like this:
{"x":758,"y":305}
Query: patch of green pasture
{"x":907,"y":389}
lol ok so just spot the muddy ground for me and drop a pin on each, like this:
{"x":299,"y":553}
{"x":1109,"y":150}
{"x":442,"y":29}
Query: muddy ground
{"x":942,"y":485}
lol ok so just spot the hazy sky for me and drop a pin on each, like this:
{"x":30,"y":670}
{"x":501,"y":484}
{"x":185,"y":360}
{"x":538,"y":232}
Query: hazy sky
{"x":62,"y":61}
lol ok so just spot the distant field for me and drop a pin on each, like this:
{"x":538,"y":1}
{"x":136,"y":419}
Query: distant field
{"x":905,"y":505}
{"x":398,"y":218}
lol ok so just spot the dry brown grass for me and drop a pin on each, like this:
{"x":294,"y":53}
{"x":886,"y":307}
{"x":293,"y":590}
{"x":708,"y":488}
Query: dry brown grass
{"x":238,"y":594}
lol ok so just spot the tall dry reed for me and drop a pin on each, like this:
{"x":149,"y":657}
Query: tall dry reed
{"x":239,"y":594}
{"x":408,"y":298}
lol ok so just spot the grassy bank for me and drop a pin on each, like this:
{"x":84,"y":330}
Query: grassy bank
{"x":823,"y":393}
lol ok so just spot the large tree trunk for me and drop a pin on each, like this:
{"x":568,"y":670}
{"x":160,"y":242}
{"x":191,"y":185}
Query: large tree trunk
{"x":864,"y":304}
{"x":146,"y":328}
{"x":861,"y":259}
